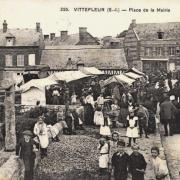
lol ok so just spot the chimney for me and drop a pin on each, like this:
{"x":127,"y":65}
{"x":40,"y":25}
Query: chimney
{"x":82,"y":34}
{"x":46,"y":37}
{"x":133,"y":23}
{"x":52,"y":36}
{"x":82,"y":30}
{"x":5,"y":26}
{"x":38,"y":29}
{"x":64,"y":34}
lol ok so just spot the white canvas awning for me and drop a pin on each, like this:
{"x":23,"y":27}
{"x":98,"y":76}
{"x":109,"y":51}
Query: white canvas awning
{"x":133,"y":75}
{"x":38,"y":83}
{"x":135,"y":71}
{"x":125,"y":79}
{"x":68,"y":76}
{"x":91,"y":71}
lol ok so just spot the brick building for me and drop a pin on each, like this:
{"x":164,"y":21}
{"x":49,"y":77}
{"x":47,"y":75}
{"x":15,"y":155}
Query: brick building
{"x":20,"y":48}
{"x":153,"y":46}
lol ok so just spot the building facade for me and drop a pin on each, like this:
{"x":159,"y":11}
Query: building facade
{"x":20,"y":48}
{"x":153,"y":46}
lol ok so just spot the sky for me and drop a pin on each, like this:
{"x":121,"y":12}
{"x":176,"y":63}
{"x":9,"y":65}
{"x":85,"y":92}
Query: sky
{"x":25,"y":14}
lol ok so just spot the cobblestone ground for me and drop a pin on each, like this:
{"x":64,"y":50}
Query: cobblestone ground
{"x":144,"y":143}
{"x":172,"y":151}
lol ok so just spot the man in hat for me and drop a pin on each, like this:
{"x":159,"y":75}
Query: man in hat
{"x":120,"y":161}
{"x":167,"y":113}
{"x":25,"y":150}
{"x":137,"y":164}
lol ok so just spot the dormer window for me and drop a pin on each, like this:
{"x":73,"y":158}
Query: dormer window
{"x":10,"y":39}
{"x":160,"y":35}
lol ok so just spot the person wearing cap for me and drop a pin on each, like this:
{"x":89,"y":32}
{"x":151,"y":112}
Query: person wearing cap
{"x":137,"y":164}
{"x":41,"y":131}
{"x":25,"y":149}
{"x":167,"y":113}
{"x":120,"y":162}
{"x":103,"y":148}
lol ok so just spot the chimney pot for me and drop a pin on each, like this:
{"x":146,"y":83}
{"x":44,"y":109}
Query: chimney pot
{"x":5,"y":25}
{"x":64,"y":34}
{"x":46,"y":37}
{"x":133,"y":23}
{"x":82,"y":30}
{"x":52,"y":36}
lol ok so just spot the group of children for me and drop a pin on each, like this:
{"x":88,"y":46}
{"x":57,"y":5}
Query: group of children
{"x":114,"y":161}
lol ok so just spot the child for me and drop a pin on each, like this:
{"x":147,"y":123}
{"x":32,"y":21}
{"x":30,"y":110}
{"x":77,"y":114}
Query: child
{"x":103,"y":148}
{"x":105,"y":129}
{"x":143,"y":116}
{"x":132,"y":130}
{"x":120,"y":162}
{"x":160,"y":168}
{"x":41,"y":131}
{"x":137,"y":164}
{"x":98,"y":116}
{"x":100,"y":100}
{"x":73,"y":98}
{"x":25,"y":150}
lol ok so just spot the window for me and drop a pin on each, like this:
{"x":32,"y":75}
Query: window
{"x":159,"y":51}
{"x":172,"y":51}
{"x":8,"y":60}
{"x":20,"y":60}
{"x":178,"y":51}
{"x":148,"y":51}
{"x":127,"y":52}
{"x":31,"y":59}
{"x":160,"y":35}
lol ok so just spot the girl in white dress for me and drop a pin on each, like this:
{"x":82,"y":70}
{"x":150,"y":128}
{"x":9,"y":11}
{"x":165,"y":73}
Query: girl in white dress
{"x":41,"y":131}
{"x":132,"y":129}
{"x":98,"y":117}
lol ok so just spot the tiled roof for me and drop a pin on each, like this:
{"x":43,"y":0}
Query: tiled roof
{"x":97,"y":57}
{"x":149,"y":31}
{"x":23,"y":37}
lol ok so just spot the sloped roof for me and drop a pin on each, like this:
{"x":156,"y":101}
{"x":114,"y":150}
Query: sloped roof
{"x":91,"y":71}
{"x":148,"y":31}
{"x":23,"y":37}
{"x":67,"y":76}
{"x":97,"y":57}
{"x":38,"y":83}
{"x":72,"y":39}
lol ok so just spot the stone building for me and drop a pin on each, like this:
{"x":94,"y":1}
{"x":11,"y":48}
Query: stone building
{"x":20,"y":48}
{"x":153,"y":46}
{"x":68,"y":52}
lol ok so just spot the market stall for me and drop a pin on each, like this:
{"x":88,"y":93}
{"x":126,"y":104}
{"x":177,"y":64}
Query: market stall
{"x":34,"y":91}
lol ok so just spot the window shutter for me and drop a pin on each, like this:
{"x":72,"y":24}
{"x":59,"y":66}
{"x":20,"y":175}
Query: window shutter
{"x":14,"y":58}
{"x":26,"y":60}
{"x":2,"y":60}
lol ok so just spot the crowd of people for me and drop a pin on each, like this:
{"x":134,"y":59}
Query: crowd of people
{"x":137,"y":109}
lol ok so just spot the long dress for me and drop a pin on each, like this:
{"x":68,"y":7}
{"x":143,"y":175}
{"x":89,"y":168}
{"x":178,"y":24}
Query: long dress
{"x":98,"y":118}
{"x":132,"y":130}
{"x":41,"y":131}
{"x":104,"y":156}
{"x":89,"y":110}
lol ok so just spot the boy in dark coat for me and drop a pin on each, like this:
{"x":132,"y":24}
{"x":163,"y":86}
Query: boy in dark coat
{"x":25,"y":150}
{"x":120,"y":161}
{"x":137,"y":164}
